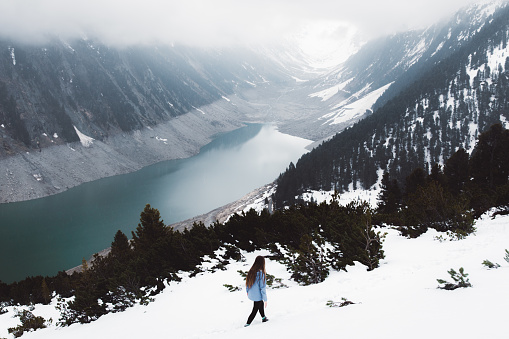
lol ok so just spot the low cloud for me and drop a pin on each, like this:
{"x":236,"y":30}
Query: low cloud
{"x":205,"y":22}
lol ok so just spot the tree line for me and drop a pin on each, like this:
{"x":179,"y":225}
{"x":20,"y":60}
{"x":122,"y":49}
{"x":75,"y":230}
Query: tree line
{"x":450,"y":198}
{"x":136,"y":269}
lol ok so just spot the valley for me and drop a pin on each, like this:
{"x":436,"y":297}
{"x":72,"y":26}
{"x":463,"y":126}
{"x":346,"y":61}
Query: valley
{"x":164,"y":166}
{"x":81,"y":221}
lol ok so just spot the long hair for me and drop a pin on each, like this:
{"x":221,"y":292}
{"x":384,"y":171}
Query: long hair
{"x":259,"y":265}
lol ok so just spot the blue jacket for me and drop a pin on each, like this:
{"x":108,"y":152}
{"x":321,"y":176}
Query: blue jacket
{"x":258,"y":291}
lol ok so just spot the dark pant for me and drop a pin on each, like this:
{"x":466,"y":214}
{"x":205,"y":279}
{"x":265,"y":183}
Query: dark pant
{"x":257,"y":307}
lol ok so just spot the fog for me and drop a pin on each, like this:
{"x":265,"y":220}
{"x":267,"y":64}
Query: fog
{"x":211,"y":23}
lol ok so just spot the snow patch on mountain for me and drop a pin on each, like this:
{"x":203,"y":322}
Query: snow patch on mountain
{"x":85,"y":140}
{"x":416,"y":53}
{"x":199,"y":110}
{"x":348,"y":111}
{"x":328,"y":93}
{"x":13,"y":56}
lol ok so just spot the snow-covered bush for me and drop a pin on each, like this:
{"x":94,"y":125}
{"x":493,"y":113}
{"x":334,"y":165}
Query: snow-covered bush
{"x":232,"y":288}
{"x":3,"y":307}
{"x":29,"y":322}
{"x":344,"y":302}
{"x":460,"y":280}
{"x":309,"y":263}
{"x":489,"y":264}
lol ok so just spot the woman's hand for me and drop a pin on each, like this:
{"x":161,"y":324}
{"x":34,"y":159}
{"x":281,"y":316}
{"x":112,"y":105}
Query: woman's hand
{"x":265,"y":304}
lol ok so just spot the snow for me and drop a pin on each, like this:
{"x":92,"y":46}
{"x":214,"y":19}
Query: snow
{"x":66,"y":44}
{"x":328,"y":93}
{"x":199,"y":110}
{"x":259,"y":204}
{"x":299,"y":80}
{"x":346,"y":112}
{"x":439,"y":47}
{"x":400,"y":299}
{"x":504,"y":122}
{"x":416,"y":53}
{"x":86,"y":141}
{"x":13,"y":56}
{"x":164,"y":140}
{"x":225,"y":98}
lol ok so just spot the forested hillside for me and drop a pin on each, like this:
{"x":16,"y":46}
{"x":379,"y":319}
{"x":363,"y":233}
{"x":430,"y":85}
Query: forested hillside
{"x":430,"y":119}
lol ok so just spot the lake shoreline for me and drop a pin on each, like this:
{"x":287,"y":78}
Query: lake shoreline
{"x":62,"y":229}
{"x":53,"y":170}
{"x":220,"y":214}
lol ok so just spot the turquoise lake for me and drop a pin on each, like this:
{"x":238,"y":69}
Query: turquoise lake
{"x":44,"y":236}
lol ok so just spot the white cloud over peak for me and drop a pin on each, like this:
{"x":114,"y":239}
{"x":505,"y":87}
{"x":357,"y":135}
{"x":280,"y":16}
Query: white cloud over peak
{"x":204,"y":22}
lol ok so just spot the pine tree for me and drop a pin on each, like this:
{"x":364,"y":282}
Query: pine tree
{"x":85,"y":307}
{"x":310,"y":265}
{"x":372,"y":241}
{"x":120,"y":247}
{"x":456,"y":171}
{"x":415,"y":180}
{"x":46,"y":294}
{"x":157,"y":253}
{"x":150,"y":231}
{"x":390,"y":195}
{"x":431,"y":206}
{"x":489,"y":162}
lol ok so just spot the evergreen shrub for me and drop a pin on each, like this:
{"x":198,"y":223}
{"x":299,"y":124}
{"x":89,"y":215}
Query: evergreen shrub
{"x":489,"y":264}
{"x":460,"y":280}
{"x":29,"y":322}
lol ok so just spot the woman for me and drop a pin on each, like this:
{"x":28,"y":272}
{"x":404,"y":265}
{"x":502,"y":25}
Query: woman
{"x":256,"y":282}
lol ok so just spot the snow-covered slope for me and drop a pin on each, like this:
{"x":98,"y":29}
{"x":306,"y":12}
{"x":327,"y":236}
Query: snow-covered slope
{"x":398,"y":300}
{"x":353,"y":108}
{"x":374,"y":73}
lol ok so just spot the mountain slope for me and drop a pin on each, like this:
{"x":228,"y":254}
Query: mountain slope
{"x":104,"y":91}
{"x":72,"y":112}
{"x":435,"y":114}
{"x":334,"y":100}
{"x":398,"y":300}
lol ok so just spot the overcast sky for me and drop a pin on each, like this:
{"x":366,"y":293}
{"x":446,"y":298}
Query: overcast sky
{"x":211,"y":22}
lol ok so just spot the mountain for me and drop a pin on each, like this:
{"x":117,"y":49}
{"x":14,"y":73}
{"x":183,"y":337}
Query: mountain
{"x":103,"y":91}
{"x":336,"y":98}
{"x":439,"y":99}
{"x":381,"y":69}
{"x":76,"y":111}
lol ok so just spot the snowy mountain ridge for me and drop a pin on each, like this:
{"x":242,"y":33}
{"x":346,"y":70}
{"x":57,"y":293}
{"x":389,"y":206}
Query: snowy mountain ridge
{"x":377,"y":71}
{"x":439,"y":105}
{"x":384,"y":60}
